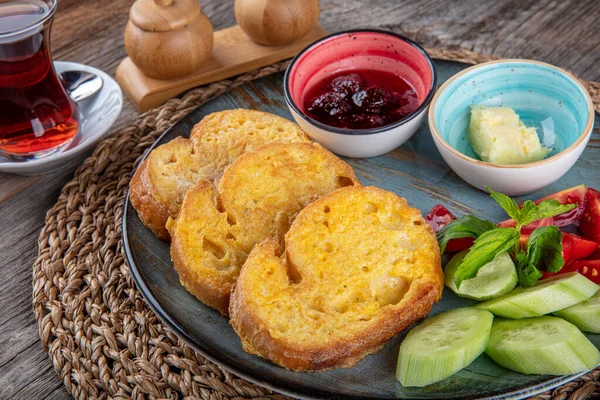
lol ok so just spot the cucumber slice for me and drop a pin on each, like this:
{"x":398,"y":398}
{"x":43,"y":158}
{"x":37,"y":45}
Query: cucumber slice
{"x":545,"y":297}
{"x":585,"y":315}
{"x":543,"y":345}
{"x":443,"y":345}
{"x":494,"y":279}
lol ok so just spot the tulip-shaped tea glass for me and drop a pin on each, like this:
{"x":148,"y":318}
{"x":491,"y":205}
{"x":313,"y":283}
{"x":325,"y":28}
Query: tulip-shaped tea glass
{"x":37,"y":117}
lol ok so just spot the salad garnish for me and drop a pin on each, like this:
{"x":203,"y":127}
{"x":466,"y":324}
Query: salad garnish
{"x":543,"y":247}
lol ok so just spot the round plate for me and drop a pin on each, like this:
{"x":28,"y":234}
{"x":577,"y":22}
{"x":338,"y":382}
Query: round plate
{"x":98,"y":114}
{"x":414,"y":171}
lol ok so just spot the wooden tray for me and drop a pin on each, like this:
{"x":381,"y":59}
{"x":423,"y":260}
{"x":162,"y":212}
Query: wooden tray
{"x":415,"y":171}
{"x":234,"y":54}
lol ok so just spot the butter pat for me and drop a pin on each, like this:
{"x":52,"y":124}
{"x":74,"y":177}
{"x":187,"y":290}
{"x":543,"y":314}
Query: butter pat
{"x":498,"y":136}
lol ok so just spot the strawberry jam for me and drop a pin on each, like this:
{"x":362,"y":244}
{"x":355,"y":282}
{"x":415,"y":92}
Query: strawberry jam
{"x":361,"y":99}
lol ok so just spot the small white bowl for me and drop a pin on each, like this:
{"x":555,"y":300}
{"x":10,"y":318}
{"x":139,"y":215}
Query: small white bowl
{"x":359,"y":50}
{"x":98,"y":114}
{"x":544,"y":96}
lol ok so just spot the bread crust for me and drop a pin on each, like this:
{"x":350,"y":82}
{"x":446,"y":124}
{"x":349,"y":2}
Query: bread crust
{"x":220,"y":137}
{"x":211,"y":293}
{"x":198,"y":274}
{"x":152,"y":213}
{"x":256,"y":334}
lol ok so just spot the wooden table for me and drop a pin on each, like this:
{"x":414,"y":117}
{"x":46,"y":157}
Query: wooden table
{"x":564,"y":33}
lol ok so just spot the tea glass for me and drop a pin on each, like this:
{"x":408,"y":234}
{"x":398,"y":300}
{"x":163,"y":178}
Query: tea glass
{"x":37,"y":116}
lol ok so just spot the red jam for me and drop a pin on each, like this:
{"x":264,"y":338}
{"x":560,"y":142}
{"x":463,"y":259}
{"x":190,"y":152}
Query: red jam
{"x":361,"y":99}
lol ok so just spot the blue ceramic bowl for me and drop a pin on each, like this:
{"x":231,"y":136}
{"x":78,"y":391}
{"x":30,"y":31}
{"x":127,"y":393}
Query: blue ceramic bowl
{"x":545,"y":97}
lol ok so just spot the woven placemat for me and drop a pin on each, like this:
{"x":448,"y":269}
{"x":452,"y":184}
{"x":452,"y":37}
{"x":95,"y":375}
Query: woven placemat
{"x":104,"y":341}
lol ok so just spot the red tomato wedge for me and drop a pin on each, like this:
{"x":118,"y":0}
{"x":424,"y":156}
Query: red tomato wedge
{"x":595,"y":255}
{"x":589,"y":223}
{"x":574,"y":247}
{"x":438,"y":217}
{"x":523,"y":240}
{"x":456,"y":245}
{"x":588,"y":268}
{"x":581,"y":248}
{"x":575,"y":195}
{"x":510,"y":223}
{"x":567,"y":268}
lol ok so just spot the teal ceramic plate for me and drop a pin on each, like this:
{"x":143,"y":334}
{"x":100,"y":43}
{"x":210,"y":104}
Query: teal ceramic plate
{"x":414,"y":171}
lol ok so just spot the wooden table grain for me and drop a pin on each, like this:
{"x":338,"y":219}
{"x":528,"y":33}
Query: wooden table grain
{"x":564,"y":33}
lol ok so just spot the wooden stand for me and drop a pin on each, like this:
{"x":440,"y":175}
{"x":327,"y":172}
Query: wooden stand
{"x":234,"y":54}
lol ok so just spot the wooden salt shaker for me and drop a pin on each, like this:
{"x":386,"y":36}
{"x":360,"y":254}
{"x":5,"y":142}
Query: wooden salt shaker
{"x":276,"y":22}
{"x":168,"y":38}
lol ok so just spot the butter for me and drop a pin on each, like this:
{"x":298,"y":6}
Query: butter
{"x":498,"y":136}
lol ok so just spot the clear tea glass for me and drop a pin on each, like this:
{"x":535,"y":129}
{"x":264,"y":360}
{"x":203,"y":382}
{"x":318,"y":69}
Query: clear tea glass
{"x":37,"y":117}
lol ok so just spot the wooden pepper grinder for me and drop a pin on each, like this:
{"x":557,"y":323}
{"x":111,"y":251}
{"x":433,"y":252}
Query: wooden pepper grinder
{"x":168,"y":38}
{"x":276,"y":22}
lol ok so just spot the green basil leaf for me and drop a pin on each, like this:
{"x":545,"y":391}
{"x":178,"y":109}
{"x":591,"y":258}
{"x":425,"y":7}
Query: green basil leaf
{"x":545,"y":246}
{"x":485,"y":248}
{"x":509,"y":205}
{"x":466,"y":226}
{"x":547,"y":208}
{"x":527,"y":273}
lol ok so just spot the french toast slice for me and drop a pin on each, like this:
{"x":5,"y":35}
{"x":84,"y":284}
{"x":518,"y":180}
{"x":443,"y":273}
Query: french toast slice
{"x":257,"y":197}
{"x":158,"y":186}
{"x":357,"y":267}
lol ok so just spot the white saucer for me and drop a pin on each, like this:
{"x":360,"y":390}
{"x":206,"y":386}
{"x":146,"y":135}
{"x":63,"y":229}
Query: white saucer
{"x":98,"y":114}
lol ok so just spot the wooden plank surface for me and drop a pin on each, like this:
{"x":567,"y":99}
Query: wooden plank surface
{"x":564,"y":33}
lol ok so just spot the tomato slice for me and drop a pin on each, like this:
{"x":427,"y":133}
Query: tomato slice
{"x":523,"y":240}
{"x":575,"y":195}
{"x":589,"y":223}
{"x":456,"y":245}
{"x":588,"y":268}
{"x":569,"y":251}
{"x":510,"y":223}
{"x":567,"y":268}
{"x":581,"y":248}
{"x":440,"y":216}
{"x":595,"y":255}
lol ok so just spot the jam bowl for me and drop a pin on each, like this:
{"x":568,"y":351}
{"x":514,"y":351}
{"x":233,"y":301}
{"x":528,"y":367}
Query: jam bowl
{"x":542,"y":95}
{"x":360,"y":93}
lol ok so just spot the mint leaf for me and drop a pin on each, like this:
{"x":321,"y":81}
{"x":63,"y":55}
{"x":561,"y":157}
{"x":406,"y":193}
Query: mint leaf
{"x":547,"y":208}
{"x":527,"y":273}
{"x":467,"y":226}
{"x":485,"y":248}
{"x":509,"y":205}
{"x":544,"y":247}
{"x":529,"y":211}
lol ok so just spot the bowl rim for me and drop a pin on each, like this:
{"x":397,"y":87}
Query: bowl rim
{"x":582,"y":136}
{"x":369,"y":131}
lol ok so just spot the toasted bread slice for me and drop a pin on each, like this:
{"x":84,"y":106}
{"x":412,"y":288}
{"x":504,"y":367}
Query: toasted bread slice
{"x":257,"y":197}
{"x":359,"y":266}
{"x":158,"y":187}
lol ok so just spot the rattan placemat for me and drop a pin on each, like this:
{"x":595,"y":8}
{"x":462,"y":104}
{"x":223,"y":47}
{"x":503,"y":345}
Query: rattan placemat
{"x":104,"y":341}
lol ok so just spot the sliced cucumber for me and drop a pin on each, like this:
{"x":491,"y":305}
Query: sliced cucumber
{"x":547,"y":296}
{"x":494,"y":279}
{"x":443,"y":345}
{"x":585,"y":315}
{"x":543,"y":345}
